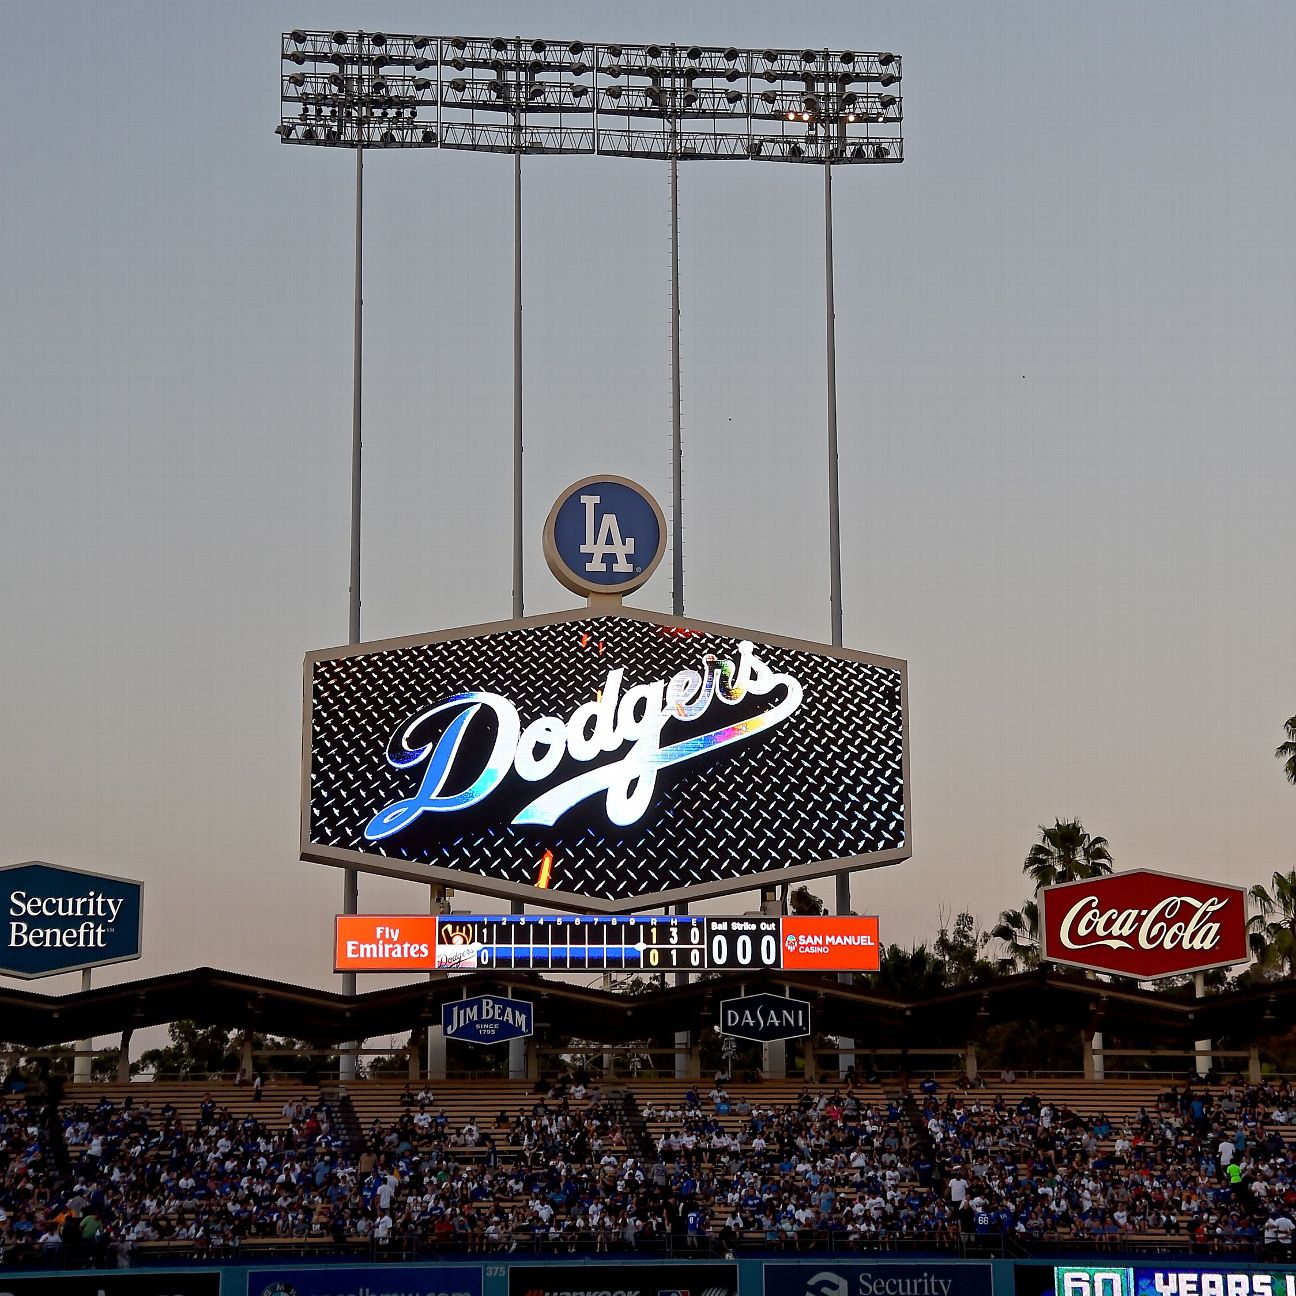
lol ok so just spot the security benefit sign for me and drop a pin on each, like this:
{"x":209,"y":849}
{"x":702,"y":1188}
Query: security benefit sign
{"x":764,"y":1018}
{"x":62,"y":920}
{"x":880,"y":1278}
{"x":1144,"y":924}
{"x":604,"y":763}
{"x":488,"y":1019}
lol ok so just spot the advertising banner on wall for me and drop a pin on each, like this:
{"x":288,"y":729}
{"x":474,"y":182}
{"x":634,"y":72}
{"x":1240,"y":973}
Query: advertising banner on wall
{"x":604,"y":763}
{"x":1143,"y":924}
{"x":367,"y":1280}
{"x":1209,"y":1280}
{"x":694,"y":1278}
{"x":899,"y":1278}
{"x":58,"y":919}
{"x":138,"y":1282}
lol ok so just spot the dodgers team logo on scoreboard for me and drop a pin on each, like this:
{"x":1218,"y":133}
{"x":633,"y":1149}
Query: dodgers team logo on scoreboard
{"x":605,"y":535}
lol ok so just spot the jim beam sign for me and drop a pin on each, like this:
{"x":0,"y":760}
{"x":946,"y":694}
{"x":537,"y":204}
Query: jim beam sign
{"x":1144,"y":924}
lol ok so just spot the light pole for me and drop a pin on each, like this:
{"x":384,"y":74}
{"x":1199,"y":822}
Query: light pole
{"x":372,"y":91}
{"x":369,"y":91}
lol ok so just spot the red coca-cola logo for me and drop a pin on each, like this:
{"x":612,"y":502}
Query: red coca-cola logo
{"x":1144,"y":924}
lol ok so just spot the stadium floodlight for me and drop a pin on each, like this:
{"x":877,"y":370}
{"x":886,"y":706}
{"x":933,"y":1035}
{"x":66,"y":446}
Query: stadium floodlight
{"x":515,"y":95}
{"x":539,"y":96}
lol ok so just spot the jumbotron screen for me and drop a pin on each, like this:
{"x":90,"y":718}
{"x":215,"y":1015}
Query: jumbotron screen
{"x":604,"y":763}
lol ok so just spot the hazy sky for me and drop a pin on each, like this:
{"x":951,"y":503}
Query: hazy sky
{"x":1066,"y":340}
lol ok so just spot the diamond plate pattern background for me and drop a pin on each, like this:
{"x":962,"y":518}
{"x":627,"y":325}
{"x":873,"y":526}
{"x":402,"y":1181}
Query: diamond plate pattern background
{"x":826,"y":783}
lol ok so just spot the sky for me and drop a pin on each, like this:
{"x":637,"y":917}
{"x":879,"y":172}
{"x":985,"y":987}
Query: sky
{"x":1065,"y":330}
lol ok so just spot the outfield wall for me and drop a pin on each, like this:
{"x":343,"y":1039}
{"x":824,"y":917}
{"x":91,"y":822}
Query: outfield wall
{"x":822,"y":1276}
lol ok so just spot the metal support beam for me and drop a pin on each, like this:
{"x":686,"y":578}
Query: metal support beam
{"x":519,"y":601}
{"x":351,"y":877}
{"x":677,"y":454}
{"x":845,"y":1059}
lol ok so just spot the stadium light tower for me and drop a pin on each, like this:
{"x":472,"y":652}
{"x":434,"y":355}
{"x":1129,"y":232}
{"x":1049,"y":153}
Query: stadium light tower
{"x":514,"y":95}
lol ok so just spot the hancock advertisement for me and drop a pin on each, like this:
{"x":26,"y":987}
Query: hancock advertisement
{"x":604,"y":759}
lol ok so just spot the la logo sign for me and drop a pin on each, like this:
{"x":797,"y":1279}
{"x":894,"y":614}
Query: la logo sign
{"x":605,"y":535}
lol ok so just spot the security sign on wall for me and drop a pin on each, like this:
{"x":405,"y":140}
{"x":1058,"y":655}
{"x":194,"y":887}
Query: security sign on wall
{"x":604,"y":762}
{"x":765,"y":1018}
{"x":62,"y":920}
{"x":488,"y":1019}
{"x":605,"y":535}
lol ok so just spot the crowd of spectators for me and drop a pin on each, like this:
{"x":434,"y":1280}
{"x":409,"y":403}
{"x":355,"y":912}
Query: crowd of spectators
{"x":1212,"y":1167}
{"x":714,"y":1172}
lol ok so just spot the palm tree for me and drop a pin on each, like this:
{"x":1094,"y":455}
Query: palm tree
{"x":1273,"y":925}
{"x":1066,"y":853}
{"x":1286,"y":752}
{"x":1019,"y":931}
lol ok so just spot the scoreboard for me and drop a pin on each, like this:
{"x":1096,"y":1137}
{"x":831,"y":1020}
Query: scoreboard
{"x":567,"y":943}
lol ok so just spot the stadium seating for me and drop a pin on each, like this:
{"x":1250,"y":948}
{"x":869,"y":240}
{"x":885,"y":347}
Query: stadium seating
{"x":388,"y":1168}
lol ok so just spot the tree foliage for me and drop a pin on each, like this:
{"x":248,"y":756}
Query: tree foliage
{"x":1286,"y":751}
{"x":1064,"y":853}
{"x":1273,"y":925}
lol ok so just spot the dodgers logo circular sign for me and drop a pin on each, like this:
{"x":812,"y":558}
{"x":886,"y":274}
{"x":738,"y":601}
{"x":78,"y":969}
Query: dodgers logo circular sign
{"x":605,"y":535}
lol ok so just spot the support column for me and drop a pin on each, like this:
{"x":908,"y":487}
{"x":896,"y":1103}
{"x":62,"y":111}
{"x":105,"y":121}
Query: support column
{"x":412,"y":1058}
{"x":1204,"y":1060}
{"x":351,"y":877}
{"x":519,"y":602}
{"x":436,"y":1053}
{"x":438,"y":903}
{"x":517,"y":1053}
{"x":692,"y":1062}
{"x":809,"y":1067}
{"x":773,"y":1055}
{"x":1253,"y":1064}
{"x":970,"y":1061}
{"x":82,"y":1068}
{"x":123,"y":1056}
{"x":1087,"y":1055}
{"x":517,"y":1049}
{"x":683,"y":1061}
{"x":1096,"y":1048}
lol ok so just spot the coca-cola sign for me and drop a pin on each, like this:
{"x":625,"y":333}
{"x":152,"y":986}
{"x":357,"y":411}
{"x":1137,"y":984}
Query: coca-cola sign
{"x":1143,"y":924}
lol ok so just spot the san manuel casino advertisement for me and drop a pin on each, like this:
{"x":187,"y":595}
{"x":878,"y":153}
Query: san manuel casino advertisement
{"x":604,"y":759}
